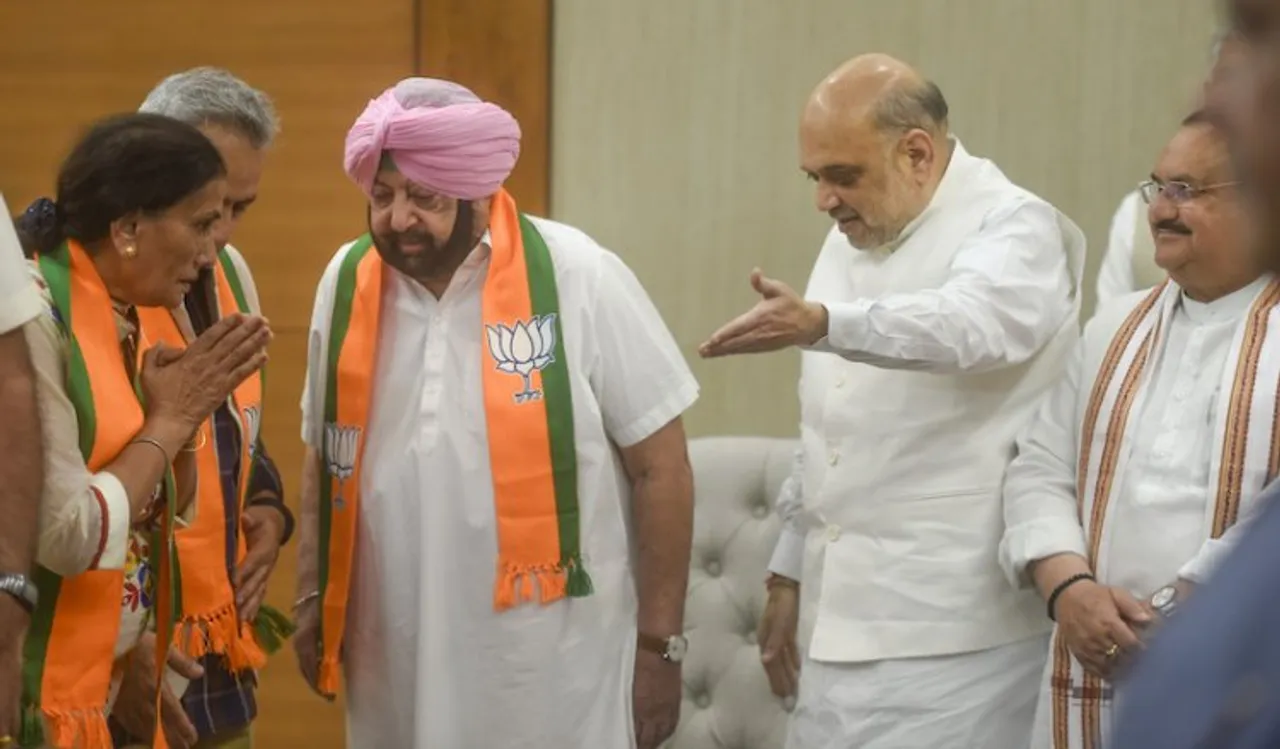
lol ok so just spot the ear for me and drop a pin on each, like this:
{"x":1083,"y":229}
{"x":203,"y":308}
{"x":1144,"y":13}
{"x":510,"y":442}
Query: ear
{"x":918,"y":148}
{"x":124,"y":231}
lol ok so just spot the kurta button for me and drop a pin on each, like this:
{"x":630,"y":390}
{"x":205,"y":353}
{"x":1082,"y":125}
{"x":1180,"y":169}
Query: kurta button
{"x":833,"y":533}
{"x":703,"y":701}
{"x":713,"y":568}
{"x":833,"y":457}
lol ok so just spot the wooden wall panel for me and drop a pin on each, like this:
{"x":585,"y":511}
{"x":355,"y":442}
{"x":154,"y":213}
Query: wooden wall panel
{"x":65,"y":63}
{"x":501,"y":49}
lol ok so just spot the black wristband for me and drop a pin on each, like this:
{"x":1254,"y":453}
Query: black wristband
{"x":1053,"y":597}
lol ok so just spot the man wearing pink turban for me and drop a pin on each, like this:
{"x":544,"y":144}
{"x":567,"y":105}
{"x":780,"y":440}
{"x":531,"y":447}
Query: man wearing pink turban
{"x":497,"y":516}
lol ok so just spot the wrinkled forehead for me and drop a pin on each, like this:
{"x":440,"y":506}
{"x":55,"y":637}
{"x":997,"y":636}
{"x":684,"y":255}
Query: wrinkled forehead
{"x":828,"y":140}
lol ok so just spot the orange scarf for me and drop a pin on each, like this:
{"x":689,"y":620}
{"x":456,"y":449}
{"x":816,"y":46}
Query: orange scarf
{"x":71,"y":643}
{"x":209,"y":622}
{"x":528,"y":409}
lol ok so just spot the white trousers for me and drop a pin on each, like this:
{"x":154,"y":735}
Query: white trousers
{"x":981,"y":700}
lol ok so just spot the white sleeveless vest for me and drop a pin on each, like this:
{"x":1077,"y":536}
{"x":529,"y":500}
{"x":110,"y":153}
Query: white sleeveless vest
{"x":903,"y":469}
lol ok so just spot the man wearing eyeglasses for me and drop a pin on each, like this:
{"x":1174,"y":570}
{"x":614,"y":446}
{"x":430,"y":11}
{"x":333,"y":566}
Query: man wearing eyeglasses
{"x":1129,"y":262}
{"x":1144,"y":463}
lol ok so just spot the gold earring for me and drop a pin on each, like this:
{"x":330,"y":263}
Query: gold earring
{"x":130,"y":251}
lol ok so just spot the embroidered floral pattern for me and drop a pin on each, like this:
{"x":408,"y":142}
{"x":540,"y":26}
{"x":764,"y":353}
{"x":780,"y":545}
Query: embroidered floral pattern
{"x":139,"y":585}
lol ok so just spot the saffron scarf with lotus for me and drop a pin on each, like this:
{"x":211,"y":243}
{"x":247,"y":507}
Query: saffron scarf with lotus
{"x":528,"y":412}
{"x":69,"y":649}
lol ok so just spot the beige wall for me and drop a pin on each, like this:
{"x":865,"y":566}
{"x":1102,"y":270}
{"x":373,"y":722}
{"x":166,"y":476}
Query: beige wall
{"x":673,"y":138}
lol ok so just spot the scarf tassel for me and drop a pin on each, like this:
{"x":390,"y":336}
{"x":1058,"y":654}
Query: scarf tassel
{"x":579,"y":585}
{"x":220,"y":633}
{"x":271,"y":628}
{"x":65,"y":729}
{"x":516,"y":585}
{"x":328,"y":678}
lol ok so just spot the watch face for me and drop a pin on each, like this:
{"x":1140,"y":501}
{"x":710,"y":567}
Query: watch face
{"x":677,"y":647}
{"x":1163,"y":597}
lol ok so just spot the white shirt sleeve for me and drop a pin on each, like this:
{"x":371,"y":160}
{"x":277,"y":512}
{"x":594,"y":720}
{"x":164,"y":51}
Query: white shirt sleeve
{"x":19,"y":300}
{"x":1201,"y":567}
{"x":1040,"y":512}
{"x":641,"y":380}
{"x":84,"y":517}
{"x":788,"y":553}
{"x":1115,"y":276}
{"x":313,"y":387}
{"x":1009,"y":291}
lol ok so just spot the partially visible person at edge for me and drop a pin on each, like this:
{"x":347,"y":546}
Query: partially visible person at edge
{"x":1211,"y":677}
{"x":1122,"y":498}
{"x":125,"y":406}
{"x":942,"y":305}
{"x":229,"y":553}
{"x":493,"y":425}
{"x":1129,"y":265}
{"x":21,"y":471}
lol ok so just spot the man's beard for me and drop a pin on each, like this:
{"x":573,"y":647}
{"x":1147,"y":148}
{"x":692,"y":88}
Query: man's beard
{"x":433,"y":261}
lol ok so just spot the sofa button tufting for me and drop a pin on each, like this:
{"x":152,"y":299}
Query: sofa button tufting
{"x":713,"y":568}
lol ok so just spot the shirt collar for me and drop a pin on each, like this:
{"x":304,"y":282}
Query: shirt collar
{"x":951,"y":179}
{"x":1230,"y":307}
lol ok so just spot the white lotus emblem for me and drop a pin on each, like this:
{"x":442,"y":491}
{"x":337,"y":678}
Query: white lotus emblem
{"x":524,"y":349}
{"x":340,"y":444}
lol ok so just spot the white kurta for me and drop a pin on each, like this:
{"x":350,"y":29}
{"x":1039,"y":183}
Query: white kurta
{"x":429,"y":663}
{"x":1157,"y":521}
{"x":1129,"y":263}
{"x":19,"y":301}
{"x":917,"y":640}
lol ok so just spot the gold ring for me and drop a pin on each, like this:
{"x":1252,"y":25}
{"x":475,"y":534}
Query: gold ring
{"x":1111,"y":651}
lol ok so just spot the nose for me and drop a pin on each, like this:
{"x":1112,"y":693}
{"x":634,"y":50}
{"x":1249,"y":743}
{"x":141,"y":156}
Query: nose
{"x":222,"y":231}
{"x":826,"y":197}
{"x":208,"y":253}
{"x":1161,"y":209}
{"x":403,"y":214}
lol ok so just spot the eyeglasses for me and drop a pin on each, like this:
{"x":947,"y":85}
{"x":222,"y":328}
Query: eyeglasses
{"x":1177,"y":192}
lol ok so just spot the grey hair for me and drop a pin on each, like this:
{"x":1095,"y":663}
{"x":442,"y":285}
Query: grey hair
{"x":413,"y":93}
{"x":208,"y":95}
{"x":912,"y":107}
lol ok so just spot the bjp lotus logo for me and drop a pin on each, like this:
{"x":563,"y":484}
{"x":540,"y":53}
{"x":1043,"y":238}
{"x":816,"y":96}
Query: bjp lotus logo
{"x":524,"y":349}
{"x":340,"y":445}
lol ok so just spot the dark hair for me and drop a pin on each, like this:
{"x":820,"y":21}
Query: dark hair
{"x":125,"y":163}
{"x":913,"y":106}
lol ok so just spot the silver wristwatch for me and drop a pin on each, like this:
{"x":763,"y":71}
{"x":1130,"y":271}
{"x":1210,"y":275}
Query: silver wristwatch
{"x":1165,"y":601}
{"x":672,"y":649}
{"x":20,"y":588}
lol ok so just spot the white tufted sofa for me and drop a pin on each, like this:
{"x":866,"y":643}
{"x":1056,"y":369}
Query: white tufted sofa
{"x":727,"y":702}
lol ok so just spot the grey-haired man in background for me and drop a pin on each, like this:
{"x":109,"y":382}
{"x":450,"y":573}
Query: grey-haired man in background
{"x":218,"y":706}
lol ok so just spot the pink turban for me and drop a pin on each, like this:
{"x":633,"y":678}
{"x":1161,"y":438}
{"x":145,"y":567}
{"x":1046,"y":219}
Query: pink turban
{"x":440,"y":135}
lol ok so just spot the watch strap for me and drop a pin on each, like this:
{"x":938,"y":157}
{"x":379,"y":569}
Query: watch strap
{"x":652,"y":643}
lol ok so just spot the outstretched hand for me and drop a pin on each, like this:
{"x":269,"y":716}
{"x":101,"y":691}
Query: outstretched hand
{"x":780,"y":319}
